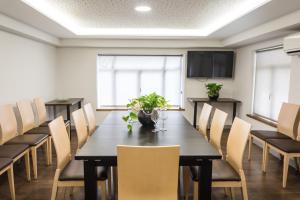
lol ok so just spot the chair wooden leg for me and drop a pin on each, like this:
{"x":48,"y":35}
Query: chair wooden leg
{"x":46,"y":147}
{"x":27,"y":165}
{"x":232,"y":193}
{"x":103,"y":190}
{"x":265,"y":157}
{"x":34,"y":162}
{"x":227,"y":191}
{"x":285,"y":170}
{"x":50,"y":150}
{"x":10,"y":174}
{"x":186,"y":182}
{"x":195,"y":189}
{"x":250,"y":147}
{"x":244,"y":186}
{"x":115,"y":177}
{"x":54,"y":186}
{"x":109,"y":177}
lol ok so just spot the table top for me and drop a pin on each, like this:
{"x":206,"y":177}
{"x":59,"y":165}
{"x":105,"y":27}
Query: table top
{"x":64,"y":102}
{"x":221,"y":100}
{"x":113,"y":131}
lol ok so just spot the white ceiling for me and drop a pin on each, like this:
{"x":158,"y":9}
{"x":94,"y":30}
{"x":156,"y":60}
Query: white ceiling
{"x":165,"y":14}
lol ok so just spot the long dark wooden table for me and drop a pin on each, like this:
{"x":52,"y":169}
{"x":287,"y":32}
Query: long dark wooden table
{"x":195,"y":101}
{"x":100,"y":149}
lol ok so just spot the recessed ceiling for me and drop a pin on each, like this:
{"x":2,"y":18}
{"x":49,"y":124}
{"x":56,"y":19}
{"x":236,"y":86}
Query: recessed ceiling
{"x":194,"y":18}
{"x":165,"y":14}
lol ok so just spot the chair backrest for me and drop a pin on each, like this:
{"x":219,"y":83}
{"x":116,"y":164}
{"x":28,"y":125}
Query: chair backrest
{"x":204,"y":118}
{"x":61,"y":141}
{"x":91,"y":118}
{"x":8,"y":123}
{"x":81,"y":127}
{"x":298,"y":132}
{"x":40,"y":110}
{"x":26,"y":114}
{"x":236,"y":143}
{"x":147,"y":172}
{"x":216,"y":128}
{"x":288,"y":119}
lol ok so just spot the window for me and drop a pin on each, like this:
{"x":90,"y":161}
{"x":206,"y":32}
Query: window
{"x":121,"y":78}
{"x":271,"y":82}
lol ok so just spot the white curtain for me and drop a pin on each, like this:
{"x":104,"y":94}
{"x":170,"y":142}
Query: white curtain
{"x":272,"y":80}
{"x":121,"y":78}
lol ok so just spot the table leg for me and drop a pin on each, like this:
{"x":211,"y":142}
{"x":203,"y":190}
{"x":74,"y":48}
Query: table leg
{"x":90,"y":180}
{"x":68,"y":113}
{"x":204,"y":177}
{"x":54,"y":112}
{"x":69,"y":118}
{"x":233,"y":111}
{"x":195,"y":114}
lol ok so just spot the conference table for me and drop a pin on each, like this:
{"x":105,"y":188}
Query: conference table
{"x":100,"y":149}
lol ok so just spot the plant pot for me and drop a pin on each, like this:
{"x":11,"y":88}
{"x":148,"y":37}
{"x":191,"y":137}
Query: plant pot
{"x":145,"y":118}
{"x":214,"y":97}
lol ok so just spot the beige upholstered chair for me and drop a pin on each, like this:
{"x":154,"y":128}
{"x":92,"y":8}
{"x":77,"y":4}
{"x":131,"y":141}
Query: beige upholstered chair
{"x":204,"y":119}
{"x":83,"y":134}
{"x":229,"y":173}
{"x":148,"y":172}
{"x":69,"y":173}
{"x":9,"y":136}
{"x":91,"y":118}
{"x":286,"y":129}
{"x":288,"y":148}
{"x":216,"y":132}
{"x":216,"y":129}
{"x":13,"y":151}
{"x":81,"y":127}
{"x":6,"y":165}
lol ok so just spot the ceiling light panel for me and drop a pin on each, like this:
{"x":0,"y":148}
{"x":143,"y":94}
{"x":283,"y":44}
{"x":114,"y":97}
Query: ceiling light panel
{"x":177,"y":18}
{"x":143,"y":8}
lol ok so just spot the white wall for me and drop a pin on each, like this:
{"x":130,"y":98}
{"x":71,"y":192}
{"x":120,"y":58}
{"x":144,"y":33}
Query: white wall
{"x":27,"y":69}
{"x":77,"y":75}
{"x":294,"y":94}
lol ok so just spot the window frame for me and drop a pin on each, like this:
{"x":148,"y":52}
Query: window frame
{"x":255,"y":115}
{"x":139,"y":73}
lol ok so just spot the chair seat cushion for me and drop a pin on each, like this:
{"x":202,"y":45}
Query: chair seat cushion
{"x":264,"y":135}
{"x":4,"y":162}
{"x":45,"y":124}
{"x":39,"y":130}
{"x":29,"y":139}
{"x":221,"y":171}
{"x":289,"y":146}
{"x":74,"y":172}
{"x":12,"y":151}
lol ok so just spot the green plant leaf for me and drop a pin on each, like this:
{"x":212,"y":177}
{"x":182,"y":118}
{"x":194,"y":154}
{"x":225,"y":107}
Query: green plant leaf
{"x":129,"y":127}
{"x":133,"y":115}
{"x":125,"y":118}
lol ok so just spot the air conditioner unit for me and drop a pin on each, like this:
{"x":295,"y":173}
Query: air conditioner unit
{"x":291,"y":44}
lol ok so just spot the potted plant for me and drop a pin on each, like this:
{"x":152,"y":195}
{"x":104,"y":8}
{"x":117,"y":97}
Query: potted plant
{"x":213,"y":90}
{"x":143,"y":107}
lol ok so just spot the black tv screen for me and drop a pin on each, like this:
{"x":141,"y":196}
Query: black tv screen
{"x":210,"y":64}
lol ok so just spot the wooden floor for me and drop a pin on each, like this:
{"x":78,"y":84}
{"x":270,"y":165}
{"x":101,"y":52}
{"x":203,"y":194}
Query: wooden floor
{"x":260,"y":186}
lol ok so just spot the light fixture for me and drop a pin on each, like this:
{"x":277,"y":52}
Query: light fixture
{"x":67,"y":20}
{"x":143,"y":8}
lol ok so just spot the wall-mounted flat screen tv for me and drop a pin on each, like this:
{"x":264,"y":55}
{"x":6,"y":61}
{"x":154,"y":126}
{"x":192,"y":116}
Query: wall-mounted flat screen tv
{"x":210,"y":64}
